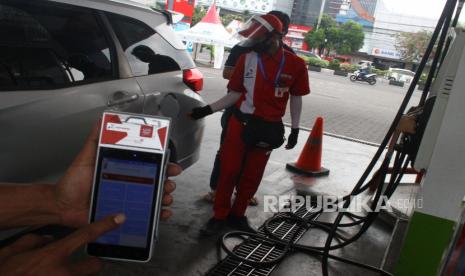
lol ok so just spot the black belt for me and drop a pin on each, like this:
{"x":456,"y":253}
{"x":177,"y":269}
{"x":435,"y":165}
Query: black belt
{"x":240,"y":116}
{"x":244,"y":117}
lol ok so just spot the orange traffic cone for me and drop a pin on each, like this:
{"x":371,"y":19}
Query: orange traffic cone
{"x":309,"y":162}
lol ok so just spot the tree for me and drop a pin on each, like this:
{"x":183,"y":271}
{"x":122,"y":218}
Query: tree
{"x":327,"y":22}
{"x":348,"y":38}
{"x":316,"y":39}
{"x":411,"y":46}
{"x":246,"y":14}
{"x":333,"y":34}
{"x":227,"y":18}
{"x":343,"y":38}
{"x":199,"y":13}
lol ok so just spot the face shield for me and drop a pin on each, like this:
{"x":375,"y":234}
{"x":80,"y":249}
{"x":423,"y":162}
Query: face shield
{"x":254,"y":31}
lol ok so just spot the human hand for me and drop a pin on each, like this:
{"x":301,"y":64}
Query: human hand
{"x":200,"y":112}
{"x":407,"y":124}
{"x":292,"y":139}
{"x":34,"y":255}
{"x":72,"y":193}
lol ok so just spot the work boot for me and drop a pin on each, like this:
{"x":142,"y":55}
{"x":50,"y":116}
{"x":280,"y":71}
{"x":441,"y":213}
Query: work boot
{"x":214,"y":226}
{"x":240,"y":224}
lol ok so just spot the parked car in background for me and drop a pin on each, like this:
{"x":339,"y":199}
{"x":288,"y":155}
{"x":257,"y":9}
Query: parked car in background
{"x":402,"y":75}
{"x":307,"y":54}
{"x":63,"y":62}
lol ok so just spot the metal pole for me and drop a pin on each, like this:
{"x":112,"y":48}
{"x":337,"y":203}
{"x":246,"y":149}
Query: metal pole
{"x":323,"y":2}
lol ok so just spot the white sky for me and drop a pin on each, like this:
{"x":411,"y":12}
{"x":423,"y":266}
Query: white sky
{"x":426,"y":8}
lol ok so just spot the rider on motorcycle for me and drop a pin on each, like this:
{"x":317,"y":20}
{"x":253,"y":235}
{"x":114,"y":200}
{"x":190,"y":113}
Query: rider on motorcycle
{"x":365,"y":69}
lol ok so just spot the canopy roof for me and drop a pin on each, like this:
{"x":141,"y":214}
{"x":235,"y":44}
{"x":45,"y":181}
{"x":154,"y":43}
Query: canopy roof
{"x":209,"y":30}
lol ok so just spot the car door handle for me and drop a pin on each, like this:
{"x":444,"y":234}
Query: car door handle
{"x":120,"y":97}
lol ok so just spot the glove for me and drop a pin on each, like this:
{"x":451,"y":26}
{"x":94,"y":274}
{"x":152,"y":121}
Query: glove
{"x":200,"y":112}
{"x":292,"y":139}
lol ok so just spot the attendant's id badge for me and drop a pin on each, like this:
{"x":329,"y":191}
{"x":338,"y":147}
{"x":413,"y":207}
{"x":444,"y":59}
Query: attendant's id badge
{"x":280,"y":91}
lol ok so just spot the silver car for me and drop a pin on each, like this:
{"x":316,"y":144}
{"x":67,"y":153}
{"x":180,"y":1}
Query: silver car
{"x":399,"y":74}
{"x":63,"y":62}
{"x":307,"y":54}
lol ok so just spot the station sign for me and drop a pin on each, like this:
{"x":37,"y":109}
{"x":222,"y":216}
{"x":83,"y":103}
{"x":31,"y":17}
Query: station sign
{"x":386,"y":53}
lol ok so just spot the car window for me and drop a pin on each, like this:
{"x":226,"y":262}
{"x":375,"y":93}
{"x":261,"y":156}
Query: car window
{"x":147,"y":52}
{"x":50,"y":45}
{"x":314,"y":56}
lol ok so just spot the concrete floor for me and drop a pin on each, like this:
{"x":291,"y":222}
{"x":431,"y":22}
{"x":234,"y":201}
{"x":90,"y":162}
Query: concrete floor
{"x":181,"y":251}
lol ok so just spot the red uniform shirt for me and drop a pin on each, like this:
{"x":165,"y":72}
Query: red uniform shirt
{"x":260,"y":97}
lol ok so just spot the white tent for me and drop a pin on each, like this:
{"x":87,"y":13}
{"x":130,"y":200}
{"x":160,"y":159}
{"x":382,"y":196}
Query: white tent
{"x":210,"y":31}
{"x":234,"y":26}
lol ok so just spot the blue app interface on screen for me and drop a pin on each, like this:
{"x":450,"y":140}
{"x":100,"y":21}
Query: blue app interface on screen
{"x":126,"y":187}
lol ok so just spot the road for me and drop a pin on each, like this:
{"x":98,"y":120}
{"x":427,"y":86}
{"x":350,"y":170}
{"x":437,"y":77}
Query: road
{"x":355,"y":110}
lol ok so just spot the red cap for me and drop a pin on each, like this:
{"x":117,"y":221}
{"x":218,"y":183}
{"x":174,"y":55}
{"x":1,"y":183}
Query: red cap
{"x":274,"y":22}
{"x":261,"y":25}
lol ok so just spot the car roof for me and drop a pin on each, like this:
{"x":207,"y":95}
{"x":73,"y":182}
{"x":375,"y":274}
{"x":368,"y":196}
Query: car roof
{"x":306,"y":53}
{"x":153,"y":18}
{"x":109,"y":5}
{"x":127,"y":2}
{"x":88,"y":3}
{"x":400,"y":70}
{"x":124,"y":7}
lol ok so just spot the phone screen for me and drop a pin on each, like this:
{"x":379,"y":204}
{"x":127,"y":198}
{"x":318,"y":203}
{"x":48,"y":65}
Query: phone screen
{"x":126,"y":182}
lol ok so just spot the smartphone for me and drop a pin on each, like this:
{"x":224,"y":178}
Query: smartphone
{"x":129,"y":176}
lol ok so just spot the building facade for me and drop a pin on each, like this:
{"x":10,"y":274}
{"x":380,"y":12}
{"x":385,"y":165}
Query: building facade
{"x":296,"y":35}
{"x":360,"y":11}
{"x":306,"y":12}
{"x":380,"y":42}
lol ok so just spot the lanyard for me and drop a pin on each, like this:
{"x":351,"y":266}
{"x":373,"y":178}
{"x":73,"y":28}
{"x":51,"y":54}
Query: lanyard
{"x":278,"y":74}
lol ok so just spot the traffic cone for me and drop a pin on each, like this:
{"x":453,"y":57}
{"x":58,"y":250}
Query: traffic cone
{"x":309,"y":162}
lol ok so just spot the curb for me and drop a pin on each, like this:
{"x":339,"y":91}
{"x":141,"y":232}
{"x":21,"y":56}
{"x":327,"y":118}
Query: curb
{"x":340,"y":137}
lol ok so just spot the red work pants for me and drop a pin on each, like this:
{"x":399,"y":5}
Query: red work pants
{"x":233,"y":153}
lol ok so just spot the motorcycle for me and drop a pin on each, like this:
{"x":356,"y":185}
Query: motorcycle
{"x":357,"y":76}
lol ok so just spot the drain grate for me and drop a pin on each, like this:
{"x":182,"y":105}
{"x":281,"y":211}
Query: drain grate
{"x":252,"y":249}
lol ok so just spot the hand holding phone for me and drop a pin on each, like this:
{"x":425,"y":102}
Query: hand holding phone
{"x":129,"y":178}
{"x":33,"y":253}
